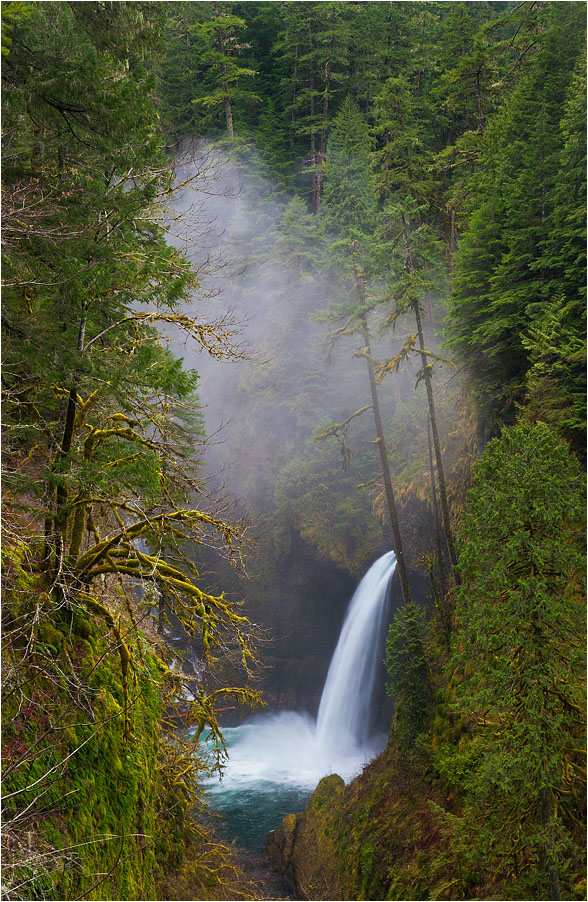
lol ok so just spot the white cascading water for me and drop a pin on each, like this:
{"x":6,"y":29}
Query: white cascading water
{"x":343,"y":719}
{"x":288,"y":749}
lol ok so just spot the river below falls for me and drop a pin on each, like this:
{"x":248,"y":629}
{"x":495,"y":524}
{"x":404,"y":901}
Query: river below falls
{"x":275,"y":762}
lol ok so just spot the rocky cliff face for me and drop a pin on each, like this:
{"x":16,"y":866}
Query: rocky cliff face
{"x":304,"y":848}
{"x":377,"y":838}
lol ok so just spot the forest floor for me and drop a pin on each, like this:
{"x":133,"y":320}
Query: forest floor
{"x":259,"y":878}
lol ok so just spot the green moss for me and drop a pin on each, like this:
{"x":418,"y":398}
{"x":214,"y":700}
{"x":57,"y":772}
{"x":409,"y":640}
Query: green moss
{"x":376,"y":838}
{"x":327,"y":792}
{"x":81,"y":626}
{"x":101,"y":804}
{"x":368,"y":858}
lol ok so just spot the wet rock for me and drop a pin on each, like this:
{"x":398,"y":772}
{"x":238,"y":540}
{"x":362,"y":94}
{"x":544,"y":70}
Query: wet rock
{"x":280,"y":843}
{"x":302,"y":849}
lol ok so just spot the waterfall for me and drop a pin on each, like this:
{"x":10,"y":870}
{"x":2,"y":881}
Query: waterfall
{"x":343,"y":719}
{"x":275,"y":753}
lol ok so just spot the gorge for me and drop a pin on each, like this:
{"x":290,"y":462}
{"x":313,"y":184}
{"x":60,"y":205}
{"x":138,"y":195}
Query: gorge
{"x":276,"y":760}
{"x":293,"y":302}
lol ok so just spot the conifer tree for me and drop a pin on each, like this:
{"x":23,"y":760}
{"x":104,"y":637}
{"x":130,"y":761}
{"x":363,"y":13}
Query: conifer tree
{"x":314,"y":47}
{"x":350,"y":214}
{"x":521,"y":652}
{"x":219,"y":27}
{"x":504,"y":278}
{"x":555,"y":388}
{"x":404,"y":182}
{"x":98,"y":420}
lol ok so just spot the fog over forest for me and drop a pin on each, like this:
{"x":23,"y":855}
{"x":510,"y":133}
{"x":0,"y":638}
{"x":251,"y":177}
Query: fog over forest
{"x":270,"y":278}
{"x":293,"y":450}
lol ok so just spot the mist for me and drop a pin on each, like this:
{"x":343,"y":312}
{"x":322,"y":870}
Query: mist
{"x":264,"y":274}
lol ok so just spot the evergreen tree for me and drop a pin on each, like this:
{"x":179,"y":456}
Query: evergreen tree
{"x":314,"y":48}
{"x":218,"y":28}
{"x":520,"y":648}
{"x":101,"y":460}
{"x":103,"y":408}
{"x":468,"y":57}
{"x":379,"y":33}
{"x":350,"y":214}
{"x":181,"y":70}
{"x":504,"y":277}
{"x":555,"y":390}
{"x":405,"y":183}
{"x":409,"y":679}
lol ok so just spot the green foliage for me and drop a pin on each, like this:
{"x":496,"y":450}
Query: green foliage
{"x":410,"y":128}
{"x":409,"y":681}
{"x":217,"y":28}
{"x":102,"y":434}
{"x":88,"y":796}
{"x":101,"y":792}
{"x":296,"y":240}
{"x":349,"y":197}
{"x":313,"y":49}
{"x":404,"y":158}
{"x":503,"y":815}
{"x":555,"y":381}
{"x":521,"y":652}
{"x":510,"y":268}
{"x":376,"y":838}
{"x":12,"y":12}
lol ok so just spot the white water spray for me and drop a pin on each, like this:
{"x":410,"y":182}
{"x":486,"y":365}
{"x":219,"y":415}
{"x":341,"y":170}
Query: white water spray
{"x":343,"y":719}
{"x":288,"y":749}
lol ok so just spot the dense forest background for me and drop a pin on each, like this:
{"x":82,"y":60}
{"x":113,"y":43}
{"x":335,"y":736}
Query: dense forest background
{"x":286,"y":285}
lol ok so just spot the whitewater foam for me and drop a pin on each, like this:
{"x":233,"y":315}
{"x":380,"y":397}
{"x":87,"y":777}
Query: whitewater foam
{"x":290,"y":749}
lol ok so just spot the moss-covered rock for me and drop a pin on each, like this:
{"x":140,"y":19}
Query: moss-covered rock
{"x":302,"y":848}
{"x":377,"y":838}
{"x":280,"y":842}
{"x":88,"y":792}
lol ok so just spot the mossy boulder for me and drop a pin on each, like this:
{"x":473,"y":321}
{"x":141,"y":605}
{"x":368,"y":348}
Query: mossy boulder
{"x":379,"y":837}
{"x":302,"y":849}
{"x":280,"y":842}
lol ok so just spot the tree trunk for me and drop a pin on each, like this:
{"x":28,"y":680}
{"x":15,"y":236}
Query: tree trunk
{"x":550,"y":853}
{"x":294,"y":85}
{"x":323,"y":139}
{"x":479,"y":102}
{"x":397,"y":539}
{"x":228,"y":110}
{"x":438,"y":542}
{"x":433,"y":420}
{"x":65,"y":446}
{"x":220,"y":46}
{"x":322,"y":154}
{"x":452,"y":244}
{"x":61,"y":518}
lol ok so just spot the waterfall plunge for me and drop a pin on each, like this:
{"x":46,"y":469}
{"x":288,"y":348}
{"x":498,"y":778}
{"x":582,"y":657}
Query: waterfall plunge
{"x":343,"y":719}
{"x":289,"y":749}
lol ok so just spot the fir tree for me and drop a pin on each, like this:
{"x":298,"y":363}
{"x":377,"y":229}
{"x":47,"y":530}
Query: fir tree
{"x":218,"y":28}
{"x":520,"y":648}
{"x":103,"y":407}
{"x":350,"y":214}
{"x":504,"y":278}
